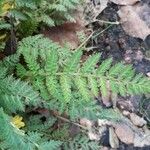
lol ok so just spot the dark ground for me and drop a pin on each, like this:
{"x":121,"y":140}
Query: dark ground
{"x":117,"y":44}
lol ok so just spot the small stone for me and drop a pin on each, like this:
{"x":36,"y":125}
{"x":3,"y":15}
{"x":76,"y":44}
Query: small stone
{"x":87,"y":123}
{"x":105,"y":148}
{"x":124,"y":133}
{"x":128,"y":59}
{"x":92,"y":136}
{"x":136,"y":120}
{"x":126,"y":113}
{"x":103,"y":122}
{"x":141,"y":140}
{"x":113,"y":139}
{"x":101,"y":130}
{"x":139,"y":55}
{"x":148,"y":74}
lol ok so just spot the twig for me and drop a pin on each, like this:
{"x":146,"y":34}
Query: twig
{"x":102,"y":31}
{"x":67,"y":120}
{"x":107,"y":22}
{"x":91,"y":36}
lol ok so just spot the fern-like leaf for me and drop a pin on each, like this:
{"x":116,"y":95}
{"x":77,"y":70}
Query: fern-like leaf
{"x":87,"y":78}
{"x":90,"y":63}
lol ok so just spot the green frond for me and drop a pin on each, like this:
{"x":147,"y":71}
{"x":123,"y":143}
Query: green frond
{"x":47,"y":20}
{"x":105,"y":66}
{"x":21,"y":71}
{"x":90,"y":63}
{"x":103,"y":86}
{"x":4,"y":25}
{"x":116,"y":69}
{"x":68,"y":4}
{"x":82,"y":87}
{"x":28,"y":27}
{"x":51,"y":65}
{"x":53,"y":87}
{"x":58,"y":7}
{"x":81,"y":142}
{"x":18,"y":14}
{"x":127,"y":72}
{"x":3,"y":72}
{"x":32,"y":63}
{"x":93,"y":86}
{"x":15,"y":94}
{"x":39,"y":85}
{"x":12,"y":103}
{"x":35,"y":124}
{"x":110,"y":114}
{"x":65,"y":83}
{"x":53,"y":145}
{"x":10,"y":61}
{"x":14,"y":138}
{"x":79,"y":108}
{"x":86,"y":78}
{"x":61,"y":133}
{"x":73,"y":62}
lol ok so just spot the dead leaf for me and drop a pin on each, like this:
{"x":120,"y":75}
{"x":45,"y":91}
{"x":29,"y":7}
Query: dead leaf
{"x":136,"y":120}
{"x":106,"y":99}
{"x":102,"y":6}
{"x":124,"y":133}
{"x":94,"y":8}
{"x":67,"y":32}
{"x":124,"y":2}
{"x":135,"y":20}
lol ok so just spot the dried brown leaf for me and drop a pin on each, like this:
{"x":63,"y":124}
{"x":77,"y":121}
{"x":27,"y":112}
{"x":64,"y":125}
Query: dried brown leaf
{"x":67,"y":32}
{"x":124,"y":2}
{"x":94,"y":8}
{"x":135,"y":20}
{"x":102,"y":6}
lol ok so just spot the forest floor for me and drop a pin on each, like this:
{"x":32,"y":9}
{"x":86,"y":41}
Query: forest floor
{"x":116,"y":43}
{"x":124,"y":42}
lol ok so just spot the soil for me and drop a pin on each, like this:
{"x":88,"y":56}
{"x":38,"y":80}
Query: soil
{"x":114,"y":42}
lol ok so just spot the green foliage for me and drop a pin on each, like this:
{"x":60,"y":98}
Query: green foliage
{"x":32,"y":13}
{"x":51,"y":78}
{"x":15,"y":94}
{"x":81,"y":142}
{"x":85,"y":78}
{"x":13,"y":138}
{"x":35,"y":123}
{"x":57,"y":80}
{"x":10,"y":62}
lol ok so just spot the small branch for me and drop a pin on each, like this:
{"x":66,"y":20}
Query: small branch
{"x":102,"y":31}
{"x":92,"y":36}
{"x":67,"y":120}
{"x":107,"y":22}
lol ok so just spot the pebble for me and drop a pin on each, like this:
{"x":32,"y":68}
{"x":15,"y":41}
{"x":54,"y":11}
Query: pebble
{"x":113,"y":139}
{"x":141,"y":140}
{"x":85,"y":122}
{"x":136,"y":120}
{"x":126,"y":113}
{"x":92,"y":136}
{"x":124,"y":133}
{"x":148,"y":74}
{"x":103,"y":122}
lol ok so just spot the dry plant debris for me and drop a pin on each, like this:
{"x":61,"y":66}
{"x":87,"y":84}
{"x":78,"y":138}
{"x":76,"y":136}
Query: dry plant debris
{"x":67,"y":32}
{"x":135,"y":21}
{"x":124,"y":2}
